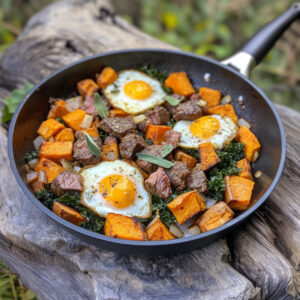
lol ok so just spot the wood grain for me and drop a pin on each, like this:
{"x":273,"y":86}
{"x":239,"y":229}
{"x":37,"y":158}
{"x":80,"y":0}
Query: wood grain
{"x":260,"y":261}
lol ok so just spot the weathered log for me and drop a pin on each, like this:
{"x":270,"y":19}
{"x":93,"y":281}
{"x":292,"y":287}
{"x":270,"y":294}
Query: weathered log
{"x":262,"y":260}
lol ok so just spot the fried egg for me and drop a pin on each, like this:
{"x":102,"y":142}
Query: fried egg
{"x":115,"y":187}
{"x":218,"y":130}
{"x":134,"y":92}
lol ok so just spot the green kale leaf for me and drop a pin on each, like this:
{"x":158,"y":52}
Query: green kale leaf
{"x":31,"y":155}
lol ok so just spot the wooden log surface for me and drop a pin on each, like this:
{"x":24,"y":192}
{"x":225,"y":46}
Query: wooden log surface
{"x":260,"y":261}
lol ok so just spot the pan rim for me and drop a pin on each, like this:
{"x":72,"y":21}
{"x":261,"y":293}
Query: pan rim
{"x":141,"y":244}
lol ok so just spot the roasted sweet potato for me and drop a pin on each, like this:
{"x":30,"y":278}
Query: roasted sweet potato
{"x":92,"y":131}
{"x":182,"y":156}
{"x":157,"y":231}
{"x":180,"y":84}
{"x":107,"y":76}
{"x":238,"y":192}
{"x":110,"y":149}
{"x":74,"y":119}
{"x":58,"y":110}
{"x":123,"y":227}
{"x":37,"y":185}
{"x":211,"y":96}
{"x":66,"y":135}
{"x":50,"y":128}
{"x":87,"y":87}
{"x":186,"y":205}
{"x":250,"y":142}
{"x":156,"y":133}
{"x":56,"y":150}
{"x":116,"y":112}
{"x":68,"y":213}
{"x":51,"y":168}
{"x":246,"y":168}
{"x":208,"y":156}
{"x":226,"y":110}
{"x":217,"y":215}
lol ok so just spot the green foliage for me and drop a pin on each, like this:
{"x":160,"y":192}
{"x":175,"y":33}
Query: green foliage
{"x":31,"y":155}
{"x":160,"y":205}
{"x":215,"y":180}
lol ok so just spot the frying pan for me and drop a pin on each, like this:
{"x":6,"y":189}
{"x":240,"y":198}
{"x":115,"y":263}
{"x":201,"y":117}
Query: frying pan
{"x":229,"y":76}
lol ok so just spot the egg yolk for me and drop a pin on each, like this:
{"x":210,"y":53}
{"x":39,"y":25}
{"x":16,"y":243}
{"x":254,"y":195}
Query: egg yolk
{"x":138,"y":90}
{"x":118,"y":190}
{"x":205,"y":127}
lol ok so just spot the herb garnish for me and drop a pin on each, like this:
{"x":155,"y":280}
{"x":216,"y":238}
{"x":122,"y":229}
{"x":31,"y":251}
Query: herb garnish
{"x":167,"y":149}
{"x":155,"y":160}
{"x":93,"y":147}
{"x":172,"y":100}
{"x":31,"y":155}
{"x":100,"y":106}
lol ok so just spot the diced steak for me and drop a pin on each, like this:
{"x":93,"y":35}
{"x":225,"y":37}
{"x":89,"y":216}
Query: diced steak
{"x":81,"y":152}
{"x":189,"y":110}
{"x":66,"y":182}
{"x":158,"y":183}
{"x":118,"y":127}
{"x":195,"y":96}
{"x":197,"y":179}
{"x":89,"y":106}
{"x":130,"y":144}
{"x":147,"y":166}
{"x":169,"y":107}
{"x":173,"y":138}
{"x":177,"y":175}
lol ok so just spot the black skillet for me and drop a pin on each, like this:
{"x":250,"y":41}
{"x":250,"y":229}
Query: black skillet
{"x":230,"y":77}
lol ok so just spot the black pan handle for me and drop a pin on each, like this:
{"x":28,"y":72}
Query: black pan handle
{"x":261,"y":43}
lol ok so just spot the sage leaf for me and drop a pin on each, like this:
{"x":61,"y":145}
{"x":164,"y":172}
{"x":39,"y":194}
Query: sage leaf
{"x":172,"y":100}
{"x":100,"y":106}
{"x":93,"y":147}
{"x":155,"y":160}
{"x":166,"y":150}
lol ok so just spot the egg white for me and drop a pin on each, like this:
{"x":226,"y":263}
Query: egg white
{"x":117,"y":97}
{"x":224,"y":136}
{"x":92,"y":198}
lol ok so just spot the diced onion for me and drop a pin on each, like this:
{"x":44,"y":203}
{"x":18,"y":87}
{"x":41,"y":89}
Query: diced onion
{"x":255,"y":156}
{"x":226,"y":100}
{"x":139,"y":118}
{"x":210,"y":202}
{"x":73,"y":103}
{"x":201,"y":103}
{"x":243,"y":122}
{"x":26,"y":168}
{"x":67,"y":165}
{"x":51,"y":139}
{"x":33,"y":163}
{"x":32,"y":176}
{"x":175,"y":231}
{"x":194,"y":230}
{"x":43,"y":177}
{"x":257,"y":174}
{"x":37,"y":142}
{"x":86,"y":122}
{"x":76,"y":169}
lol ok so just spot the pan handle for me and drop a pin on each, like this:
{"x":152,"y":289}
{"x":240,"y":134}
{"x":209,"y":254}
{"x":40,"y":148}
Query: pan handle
{"x":260,"y":44}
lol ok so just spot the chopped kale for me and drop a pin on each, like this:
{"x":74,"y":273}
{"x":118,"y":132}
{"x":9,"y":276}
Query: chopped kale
{"x":46,"y":197}
{"x":103,"y":135}
{"x":31,"y":155}
{"x":160,"y":76}
{"x":60,"y":120}
{"x":148,"y":142}
{"x":165,"y":214}
{"x":229,"y":155}
{"x":171,"y":122}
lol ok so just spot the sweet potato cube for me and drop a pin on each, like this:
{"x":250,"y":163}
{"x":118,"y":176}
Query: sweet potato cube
{"x":180,"y":84}
{"x":211,"y":96}
{"x":116,"y":112}
{"x":238,"y":192}
{"x":158,"y":231}
{"x":186,"y":205}
{"x":74,"y":118}
{"x":58,"y":110}
{"x":66,"y":135}
{"x":123,"y":227}
{"x":107,"y":76}
{"x":246,"y":168}
{"x":51,"y":168}
{"x":208,"y":156}
{"x":226,"y":110}
{"x":110,"y":149}
{"x":50,"y":128}
{"x":87,"y":87}
{"x":68,"y":213}
{"x":182,"y":156}
{"x":156,"y":133}
{"x":250,"y":142}
{"x":217,"y":215}
{"x":56,"y":150}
